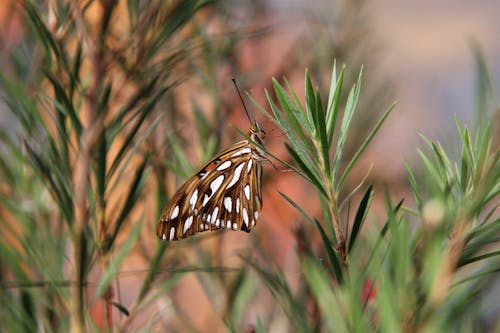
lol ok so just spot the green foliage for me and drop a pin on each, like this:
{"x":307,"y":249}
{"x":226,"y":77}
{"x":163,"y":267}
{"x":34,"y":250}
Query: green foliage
{"x":75,"y":142}
{"x":417,"y":273}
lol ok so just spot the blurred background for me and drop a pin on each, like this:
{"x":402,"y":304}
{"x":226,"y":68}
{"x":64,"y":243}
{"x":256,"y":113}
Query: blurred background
{"x":422,"y":55}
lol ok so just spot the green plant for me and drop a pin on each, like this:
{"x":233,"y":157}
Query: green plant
{"x":420,"y":271}
{"x":82,"y":122}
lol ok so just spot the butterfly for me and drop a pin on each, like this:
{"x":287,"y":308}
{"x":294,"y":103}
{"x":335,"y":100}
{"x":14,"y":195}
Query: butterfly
{"x":226,"y":193}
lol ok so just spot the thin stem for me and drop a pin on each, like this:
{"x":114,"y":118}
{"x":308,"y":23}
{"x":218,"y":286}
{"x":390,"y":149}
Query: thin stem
{"x":332,"y":203}
{"x":337,"y":226}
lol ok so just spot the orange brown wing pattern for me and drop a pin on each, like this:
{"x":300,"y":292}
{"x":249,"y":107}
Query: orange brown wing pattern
{"x":224,"y":194}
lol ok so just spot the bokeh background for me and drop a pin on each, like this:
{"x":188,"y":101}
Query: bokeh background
{"x":423,"y":55}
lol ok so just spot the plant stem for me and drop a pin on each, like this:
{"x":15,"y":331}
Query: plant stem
{"x":337,"y":227}
{"x":332,"y":205}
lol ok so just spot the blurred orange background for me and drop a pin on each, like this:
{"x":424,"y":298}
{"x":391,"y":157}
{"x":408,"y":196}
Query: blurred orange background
{"x":419,"y":53}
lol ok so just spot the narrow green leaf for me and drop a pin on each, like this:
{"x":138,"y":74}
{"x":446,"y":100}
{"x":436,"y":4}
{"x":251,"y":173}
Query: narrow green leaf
{"x":360,"y":217}
{"x":484,"y":92}
{"x":310,"y":173}
{"x":101,"y":167}
{"x":29,"y":312}
{"x":441,"y":166}
{"x":21,"y":105}
{"x":432,"y":172}
{"x":116,"y":261}
{"x":179,"y":14}
{"x":475,"y":276}
{"x":122,"y":308}
{"x":132,"y":109}
{"x":143,"y":113}
{"x":259,"y":328}
{"x":327,"y":244}
{"x":332,"y":256}
{"x":464,"y":169}
{"x":297,"y":207}
{"x":132,"y":196}
{"x":333,"y":107}
{"x":333,"y":86}
{"x":44,"y":34}
{"x":152,"y":269}
{"x":414,"y":187}
{"x":241,"y":294}
{"x":282,"y":293}
{"x":133,"y":150}
{"x":82,"y":263}
{"x":322,"y":289}
{"x":104,"y":98}
{"x":202,"y":123}
{"x":302,"y":147}
{"x":75,"y":72}
{"x":133,"y":13}
{"x":67,"y":105}
{"x":58,"y":191}
{"x":488,"y":215}
{"x":293,"y":113}
{"x":352,"y":101}
{"x":484,"y":152}
{"x":465,"y":261}
{"x":182,"y":166}
{"x":310,"y":100}
{"x":392,"y":215}
{"x":10,"y":260}
{"x":321,"y":130}
{"x":300,"y":112}
{"x":363,"y":146}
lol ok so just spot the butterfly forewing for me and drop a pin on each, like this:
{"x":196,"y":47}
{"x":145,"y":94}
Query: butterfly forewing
{"x":224,"y":194}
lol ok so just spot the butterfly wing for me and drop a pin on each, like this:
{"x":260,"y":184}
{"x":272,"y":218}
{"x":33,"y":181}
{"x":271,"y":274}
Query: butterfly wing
{"x":224,"y":194}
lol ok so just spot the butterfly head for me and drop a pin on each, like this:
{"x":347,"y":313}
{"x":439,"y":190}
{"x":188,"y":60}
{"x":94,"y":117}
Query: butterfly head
{"x":257,"y":134}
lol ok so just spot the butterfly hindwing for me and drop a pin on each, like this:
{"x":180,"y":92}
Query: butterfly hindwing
{"x":224,"y":194}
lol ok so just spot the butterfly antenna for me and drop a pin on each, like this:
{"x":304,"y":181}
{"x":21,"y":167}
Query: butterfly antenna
{"x":242,"y":101}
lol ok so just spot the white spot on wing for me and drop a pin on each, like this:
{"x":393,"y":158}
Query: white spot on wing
{"x":228,"y":203}
{"x":235,"y":226}
{"x":237,"y":205}
{"x":205,"y":200}
{"x":256,"y":215}
{"x":194,"y":197}
{"x":236,"y":176}
{"x":247,"y":191}
{"x":224,"y":165}
{"x":164,"y":237}
{"x":241,"y":152}
{"x":175,"y":212}
{"x":214,"y":215}
{"x":172,"y":233}
{"x":228,"y":224}
{"x":245,"y":216}
{"x":187,"y":224}
{"x":249,"y":166}
{"x":216,"y":183}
